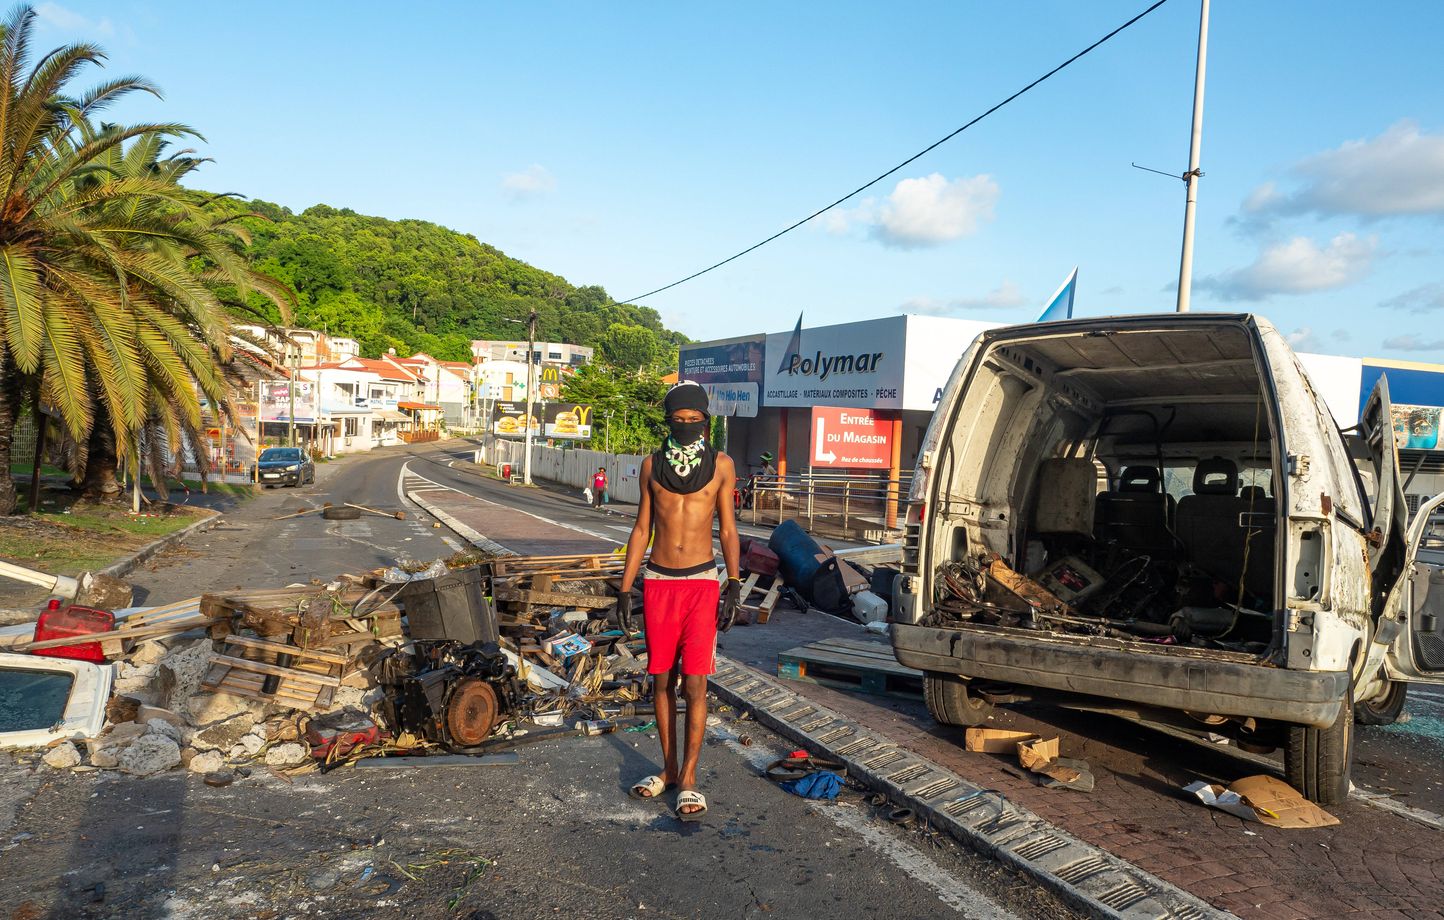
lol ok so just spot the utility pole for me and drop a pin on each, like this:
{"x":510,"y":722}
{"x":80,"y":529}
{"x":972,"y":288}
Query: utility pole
{"x":530,"y":323}
{"x":530,"y":390}
{"x":1185,"y":268}
{"x":293,"y":358}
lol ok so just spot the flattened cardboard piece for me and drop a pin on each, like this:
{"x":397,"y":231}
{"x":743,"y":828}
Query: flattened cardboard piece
{"x":1265,"y":799}
{"x":1280,"y":805}
{"x":1036,"y":753}
{"x":994,"y":740}
{"x":1067,"y":773}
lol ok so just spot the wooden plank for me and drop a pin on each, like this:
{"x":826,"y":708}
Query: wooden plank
{"x":137,"y":632}
{"x":245,"y":664}
{"x":555,"y":599}
{"x":769,"y":601}
{"x":284,"y":649}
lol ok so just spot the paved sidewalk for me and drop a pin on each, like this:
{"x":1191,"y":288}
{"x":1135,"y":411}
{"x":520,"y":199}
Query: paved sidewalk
{"x":1374,"y":865}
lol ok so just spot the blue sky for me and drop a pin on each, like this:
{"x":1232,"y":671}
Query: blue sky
{"x":630,"y":144}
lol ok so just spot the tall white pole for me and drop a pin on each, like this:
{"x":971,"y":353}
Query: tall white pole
{"x":530,"y":389}
{"x":1185,"y":268}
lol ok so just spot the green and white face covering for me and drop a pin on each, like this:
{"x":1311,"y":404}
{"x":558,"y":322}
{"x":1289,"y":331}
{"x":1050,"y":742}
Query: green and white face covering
{"x":684,"y":468}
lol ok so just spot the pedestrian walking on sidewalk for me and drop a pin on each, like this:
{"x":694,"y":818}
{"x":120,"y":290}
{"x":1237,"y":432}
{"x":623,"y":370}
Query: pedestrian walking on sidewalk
{"x":599,"y":487}
{"x":686,"y":484}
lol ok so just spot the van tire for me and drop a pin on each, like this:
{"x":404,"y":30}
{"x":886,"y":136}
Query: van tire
{"x":1385,"y":708}
{"x":950,"y":702}
{"x":1317,"y":761}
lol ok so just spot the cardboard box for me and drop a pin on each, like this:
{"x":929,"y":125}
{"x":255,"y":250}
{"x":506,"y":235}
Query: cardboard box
{"x":994,"y":740}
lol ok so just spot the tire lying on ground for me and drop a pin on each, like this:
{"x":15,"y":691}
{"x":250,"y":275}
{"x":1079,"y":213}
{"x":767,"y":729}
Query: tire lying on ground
{"x":341,"y":513}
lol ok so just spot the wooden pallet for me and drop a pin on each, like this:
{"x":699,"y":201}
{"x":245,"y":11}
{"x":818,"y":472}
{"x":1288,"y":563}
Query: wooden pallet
{"x":250,"y":667}
{"x":849,"y":664}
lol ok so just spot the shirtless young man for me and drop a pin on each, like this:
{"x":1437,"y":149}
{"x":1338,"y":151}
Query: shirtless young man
{"x":685,"y":484}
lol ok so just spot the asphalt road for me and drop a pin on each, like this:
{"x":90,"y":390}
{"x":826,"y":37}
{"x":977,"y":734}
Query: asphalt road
{"x":555,"y":834}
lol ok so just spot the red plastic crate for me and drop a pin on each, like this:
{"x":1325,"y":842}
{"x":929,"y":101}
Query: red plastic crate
{"x":58,"y":622}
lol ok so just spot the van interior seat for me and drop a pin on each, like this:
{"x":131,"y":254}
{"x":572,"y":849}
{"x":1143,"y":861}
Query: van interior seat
{"x":1213,"y":531}
{"x":1139,"y":515}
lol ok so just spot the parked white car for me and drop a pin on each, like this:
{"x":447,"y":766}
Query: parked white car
{"x":1157,"y":516}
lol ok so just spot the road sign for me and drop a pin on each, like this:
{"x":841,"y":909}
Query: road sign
{"x":851,"y":438}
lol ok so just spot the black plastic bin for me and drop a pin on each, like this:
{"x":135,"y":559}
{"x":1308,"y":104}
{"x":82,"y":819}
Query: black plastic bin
{"x":453,"y":606}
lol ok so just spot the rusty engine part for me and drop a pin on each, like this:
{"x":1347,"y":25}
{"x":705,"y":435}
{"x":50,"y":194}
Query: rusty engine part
{"x":448,"y":693}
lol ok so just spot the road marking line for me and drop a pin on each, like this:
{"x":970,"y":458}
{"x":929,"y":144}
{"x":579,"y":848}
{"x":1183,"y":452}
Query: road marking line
{"x":545,"y":520}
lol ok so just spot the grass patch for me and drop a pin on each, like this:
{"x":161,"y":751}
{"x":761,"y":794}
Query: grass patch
{"x":23,"y":470}
{"x":233,"y":489}
{"x":69,"y":540}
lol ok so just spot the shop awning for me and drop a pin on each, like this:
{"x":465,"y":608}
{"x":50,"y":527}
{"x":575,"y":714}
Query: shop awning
{"x":391,"y":415}
{"x":417,"y":405}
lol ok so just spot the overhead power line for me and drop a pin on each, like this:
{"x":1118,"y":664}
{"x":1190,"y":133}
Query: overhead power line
{"x":921,"y":153}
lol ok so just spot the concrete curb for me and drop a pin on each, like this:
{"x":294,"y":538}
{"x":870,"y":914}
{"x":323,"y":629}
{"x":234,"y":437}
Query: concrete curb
{"x":1087,"y":877}
{"x":468,"y":534}
{"x":125,"y":566}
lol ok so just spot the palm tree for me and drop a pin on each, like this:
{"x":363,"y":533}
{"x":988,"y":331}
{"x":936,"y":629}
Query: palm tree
{"x":109,"y":275}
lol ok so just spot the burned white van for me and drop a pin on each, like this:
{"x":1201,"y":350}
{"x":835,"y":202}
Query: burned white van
{"x":1157,"y":516}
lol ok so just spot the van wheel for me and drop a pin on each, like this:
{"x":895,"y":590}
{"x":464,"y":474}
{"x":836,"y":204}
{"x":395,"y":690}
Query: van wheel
{"x":950,"y":702}
{"x":1317,"y":760}
{"x":1385,"y":708}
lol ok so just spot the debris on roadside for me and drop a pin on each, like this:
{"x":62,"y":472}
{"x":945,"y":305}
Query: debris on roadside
{"x":1038,"y":755}
{"x":464,"y":657}
{"x":1265,"y":799}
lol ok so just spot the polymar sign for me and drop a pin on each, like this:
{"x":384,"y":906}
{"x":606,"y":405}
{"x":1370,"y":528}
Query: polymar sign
{"x":854,"y":365}
{"x":857,"y":439}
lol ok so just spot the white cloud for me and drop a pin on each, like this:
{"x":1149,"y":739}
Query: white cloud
{"x":1303,"y":339}
{"x":1399,"y":172}
{"x":1005,"y":296}
{"x":1297,"y":266}
{"x":1426,"y":298}
{"x":1413,"y":342}
{"x":934,"y":210}
{"x":919,"y":213}
{"x":530,"y":182}
{"x":57,"y":16}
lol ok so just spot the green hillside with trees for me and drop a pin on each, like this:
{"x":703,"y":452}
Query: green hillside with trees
{"x":417,"y":286}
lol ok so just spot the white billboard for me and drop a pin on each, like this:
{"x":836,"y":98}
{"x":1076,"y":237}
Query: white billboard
{"x":859,"y":365}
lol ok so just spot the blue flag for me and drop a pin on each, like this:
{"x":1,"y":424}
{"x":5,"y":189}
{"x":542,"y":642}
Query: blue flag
{"x":1061,"y":306}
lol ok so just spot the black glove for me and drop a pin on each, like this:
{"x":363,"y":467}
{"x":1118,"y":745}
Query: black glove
{"x":731,"y":597}
{"x":624,"y":611}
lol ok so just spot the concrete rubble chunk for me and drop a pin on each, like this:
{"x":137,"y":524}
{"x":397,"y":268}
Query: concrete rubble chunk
{"x":150,"y":754}
{"x":208,"y":708}
{"x":251,"y":744}
{"x":224,"y":735}
{"x":188,"y":662}
{"x":146,"y":712}
{"x":206,"y":762}
{"x":165,"y":729}
{"x":122,"y":709}
{"x":106,"y":758}
{"x":285,"y":755}
{"x":148,"y":652}
{"x":62,"y":757}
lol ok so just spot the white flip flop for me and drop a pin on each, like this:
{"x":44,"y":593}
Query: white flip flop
{"x":650,"y":788}
{"x":691,"y":797}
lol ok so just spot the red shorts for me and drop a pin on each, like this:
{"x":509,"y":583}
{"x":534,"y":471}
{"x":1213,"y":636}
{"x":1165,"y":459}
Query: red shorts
{"x":681,"y":620}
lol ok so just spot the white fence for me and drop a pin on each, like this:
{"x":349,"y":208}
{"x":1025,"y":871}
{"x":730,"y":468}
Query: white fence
{"x":574,"y":467}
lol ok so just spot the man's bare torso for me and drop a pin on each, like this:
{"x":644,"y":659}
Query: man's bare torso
{"x":682,"y":524}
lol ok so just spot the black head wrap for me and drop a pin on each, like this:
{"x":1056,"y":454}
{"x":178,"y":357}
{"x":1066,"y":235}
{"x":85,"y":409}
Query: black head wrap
{"x":678,"y":467}
{"x":686,"y":395}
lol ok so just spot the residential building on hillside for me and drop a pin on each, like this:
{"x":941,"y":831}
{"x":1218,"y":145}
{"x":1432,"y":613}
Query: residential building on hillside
{"x":542,"y":352}
{"x":314,"y":347}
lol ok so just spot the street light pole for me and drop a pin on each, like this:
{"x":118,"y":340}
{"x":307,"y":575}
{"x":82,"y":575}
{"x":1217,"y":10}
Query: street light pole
{"x":530,"y":391}
{"x":293,"y":359}
{"x":530,"y":323}
{"x":1185,"y":268}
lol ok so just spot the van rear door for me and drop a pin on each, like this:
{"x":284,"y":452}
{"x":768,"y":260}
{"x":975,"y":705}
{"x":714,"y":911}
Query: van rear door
{"x":1416,"y":653}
